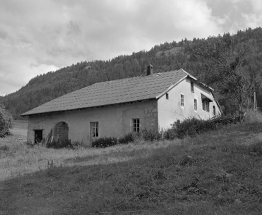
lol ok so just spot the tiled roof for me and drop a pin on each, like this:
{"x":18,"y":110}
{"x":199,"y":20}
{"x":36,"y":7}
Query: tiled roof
{"x":113,"y":92}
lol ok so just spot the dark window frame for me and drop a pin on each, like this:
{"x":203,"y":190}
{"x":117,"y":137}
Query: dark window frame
{"x":94,"y":129}
{"x":195,"y":104}
{"x":192,"y":87}
{"x":136,"y":125}
{"x":182,"y":100}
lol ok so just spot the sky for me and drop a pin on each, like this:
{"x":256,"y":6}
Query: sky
{"x":38,"y":36}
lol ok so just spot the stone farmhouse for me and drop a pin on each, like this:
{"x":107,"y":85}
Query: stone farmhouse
{"x":115,"y":108}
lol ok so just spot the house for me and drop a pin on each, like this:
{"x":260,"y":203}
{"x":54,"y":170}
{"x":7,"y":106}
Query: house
{"x":115,"y":108}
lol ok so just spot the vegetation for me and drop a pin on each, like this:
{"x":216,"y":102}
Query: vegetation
{"x":6,"y":122}
{"x":104,"y":142}
{"x":237,"y":58}
{"x":192,"y":127}
{"x":218,"y":172}
{"x":189,"y":127}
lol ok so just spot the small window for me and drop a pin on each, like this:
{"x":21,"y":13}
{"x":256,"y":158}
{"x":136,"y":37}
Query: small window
{"x":182,"y":100}
{"x":195,"y":104}
{"x":205,"y":105}
{"x":136,"y":125}
{"x":214,"y":110}
{"x":94,"y":129}
{"x":167,"y":97}
{"x":192,"y":86}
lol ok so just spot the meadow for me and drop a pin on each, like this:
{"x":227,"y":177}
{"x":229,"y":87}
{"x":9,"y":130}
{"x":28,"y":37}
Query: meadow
{"x":219,"y":172}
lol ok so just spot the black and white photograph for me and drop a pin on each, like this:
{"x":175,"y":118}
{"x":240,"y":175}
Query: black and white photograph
{"x":131,"y":107}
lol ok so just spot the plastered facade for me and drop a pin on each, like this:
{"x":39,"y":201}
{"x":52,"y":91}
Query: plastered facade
{"x":170,"y":110}
{"x":114,"y":121}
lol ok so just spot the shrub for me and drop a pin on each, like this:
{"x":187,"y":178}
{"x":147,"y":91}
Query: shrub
{"x":6,"y":122}
{"x":126,"y":138}
{"x":193,"y":126}
{"x":169,"y":134}
{"x":104,"y":142}
{"x":147,"y":135}
{"x":151,"y":135}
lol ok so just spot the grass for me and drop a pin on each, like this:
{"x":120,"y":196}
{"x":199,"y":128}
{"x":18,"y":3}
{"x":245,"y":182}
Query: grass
{"x":219,"y":172}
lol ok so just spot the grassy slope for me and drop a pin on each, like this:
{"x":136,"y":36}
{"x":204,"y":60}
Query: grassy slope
{"x":222,"y":176}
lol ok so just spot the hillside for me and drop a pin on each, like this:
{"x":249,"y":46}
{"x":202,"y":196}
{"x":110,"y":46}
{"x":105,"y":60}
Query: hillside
{"x":215,"y":173}
{"x":164,"y":57}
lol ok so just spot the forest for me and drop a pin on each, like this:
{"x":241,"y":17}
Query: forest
{"x":231,"y":64}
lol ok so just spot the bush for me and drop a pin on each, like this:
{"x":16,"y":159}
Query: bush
{"x":146,"y":135}
{"x":6,"y":122}
{"x":126,"y":138}
{"x":104,"y":142}
{"x":193,"y":126}
{"x":151,"y":135}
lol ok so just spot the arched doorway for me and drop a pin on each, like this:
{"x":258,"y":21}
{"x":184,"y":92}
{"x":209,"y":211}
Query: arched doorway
{"x":61,"y":132}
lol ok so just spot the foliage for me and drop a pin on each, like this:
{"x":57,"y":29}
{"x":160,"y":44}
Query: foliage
{"x":164,"y":57}
{"x":104,"y":142}
{"x":126,"y":138}
{"x":144,"y":135}
{"x":6,"y":121}
{"x":151,"y":135}
{"x":229,"y":64}
{"x":191,"y":127}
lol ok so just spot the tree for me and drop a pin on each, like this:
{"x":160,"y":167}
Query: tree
{"x":227,"y":65}
{"x":6,"y":121}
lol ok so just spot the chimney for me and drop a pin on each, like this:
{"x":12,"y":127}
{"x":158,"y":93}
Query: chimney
{"x":149,"y":70}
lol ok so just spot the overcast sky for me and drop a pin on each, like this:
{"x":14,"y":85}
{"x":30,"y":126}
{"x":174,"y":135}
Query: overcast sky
{"x":37,"y":36}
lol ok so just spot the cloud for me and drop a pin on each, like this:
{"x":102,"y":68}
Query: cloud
{"x":44,"y":35}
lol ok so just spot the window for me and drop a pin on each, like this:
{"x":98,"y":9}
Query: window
{"x":94,"y":129}
{"x":167,"y":97}
{"x":195,"y":104}
{"x":214,"y":110}
{"x":192,"y":86}
{"x":136,"y":125}
{"x":182,"y":100}
{"x":205,"y":104}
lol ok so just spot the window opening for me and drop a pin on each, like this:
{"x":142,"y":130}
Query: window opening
{"x":192,"y":87}
{"x":205,"y":105}
{"x":182,"y":100}
{"x":94,"y":129}
{"x":136,"y":125}
{"x":195,"y":104}
{"x":214,"y":110}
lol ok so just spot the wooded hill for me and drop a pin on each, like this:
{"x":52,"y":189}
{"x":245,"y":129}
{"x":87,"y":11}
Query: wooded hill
{"x":191,"y":55}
